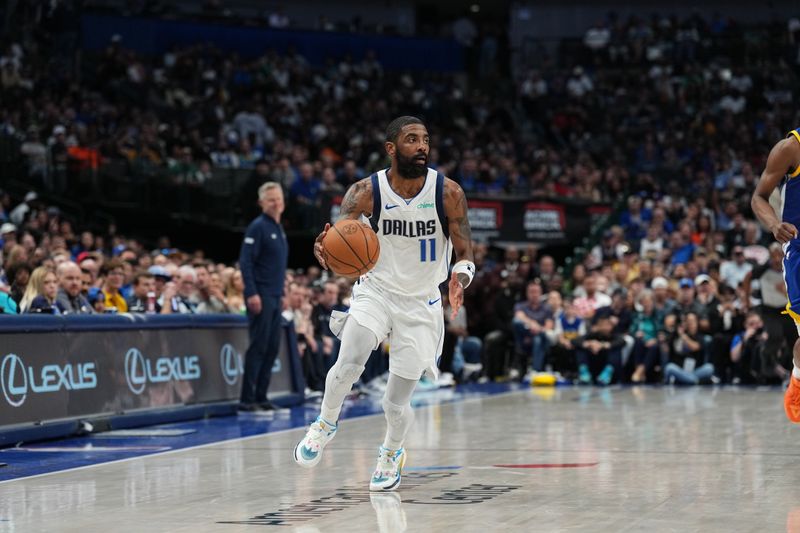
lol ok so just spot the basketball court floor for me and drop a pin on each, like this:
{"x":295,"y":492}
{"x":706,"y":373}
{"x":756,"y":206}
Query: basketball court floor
{"x":480,"y":458}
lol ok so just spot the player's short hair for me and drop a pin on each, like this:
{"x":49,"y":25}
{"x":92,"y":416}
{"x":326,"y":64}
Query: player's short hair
{"x":395,"y":126}
{"x":268,"y":186}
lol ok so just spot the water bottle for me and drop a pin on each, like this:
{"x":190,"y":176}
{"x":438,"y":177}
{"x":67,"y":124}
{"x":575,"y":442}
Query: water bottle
{"x":151,"y":302}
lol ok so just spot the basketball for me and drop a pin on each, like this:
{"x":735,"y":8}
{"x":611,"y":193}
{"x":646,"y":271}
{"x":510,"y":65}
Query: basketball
{"x":351,"y":248}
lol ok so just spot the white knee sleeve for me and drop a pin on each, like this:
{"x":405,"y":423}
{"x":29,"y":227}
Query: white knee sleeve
{"x":346,"y":373}
{"x":357,"y":343}
{"x":397,"y":408}
{"x":393,"y":412}
{"x":398,"y":421}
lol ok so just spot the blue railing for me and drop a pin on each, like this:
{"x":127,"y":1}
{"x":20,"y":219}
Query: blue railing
{"x":153,"y":36}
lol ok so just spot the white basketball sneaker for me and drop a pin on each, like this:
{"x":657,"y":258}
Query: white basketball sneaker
{"x":308,"y":451}
{"x":388,"y":472}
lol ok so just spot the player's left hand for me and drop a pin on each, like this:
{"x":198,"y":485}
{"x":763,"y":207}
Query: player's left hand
{"x":456,"y":295}
{"x":319,"y":249}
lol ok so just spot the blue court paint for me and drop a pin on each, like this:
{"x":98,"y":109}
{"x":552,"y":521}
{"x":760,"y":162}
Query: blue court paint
{"x":88,"y":448}
{"x":37,"y":459}
{"x":145,"y":433}
{"x":413,"y":468}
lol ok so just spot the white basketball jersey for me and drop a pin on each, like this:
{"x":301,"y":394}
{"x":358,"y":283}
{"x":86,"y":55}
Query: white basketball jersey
{"x":414,"y":238}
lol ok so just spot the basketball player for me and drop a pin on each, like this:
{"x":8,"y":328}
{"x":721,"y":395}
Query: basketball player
{"x":420,"y":218}
{"x":783,"y":169}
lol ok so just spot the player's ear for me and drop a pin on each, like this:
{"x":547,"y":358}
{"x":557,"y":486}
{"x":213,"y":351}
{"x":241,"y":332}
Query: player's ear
{"x":390,"y":148}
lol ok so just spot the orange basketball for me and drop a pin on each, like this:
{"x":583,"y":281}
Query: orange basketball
{"x":351,"y":248}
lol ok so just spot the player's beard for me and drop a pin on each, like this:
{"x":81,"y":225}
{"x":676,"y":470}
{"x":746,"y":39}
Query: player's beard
{"x":411,"y":168}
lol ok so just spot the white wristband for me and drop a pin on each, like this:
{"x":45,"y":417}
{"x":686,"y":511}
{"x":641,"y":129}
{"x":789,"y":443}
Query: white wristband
{"x":467,"y":268}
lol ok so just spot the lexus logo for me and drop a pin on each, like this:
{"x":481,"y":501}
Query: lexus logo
{"x":135,"y":370}
{"x":14,"y":380}
{"x":230,"y":362}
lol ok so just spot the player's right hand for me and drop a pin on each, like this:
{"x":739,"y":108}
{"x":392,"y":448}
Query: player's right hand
{"x":784,"y":232}
{"x":319,"y":250}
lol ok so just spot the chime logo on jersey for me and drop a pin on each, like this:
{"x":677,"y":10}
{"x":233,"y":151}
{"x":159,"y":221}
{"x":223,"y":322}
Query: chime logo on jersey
{"x":409,"y":228}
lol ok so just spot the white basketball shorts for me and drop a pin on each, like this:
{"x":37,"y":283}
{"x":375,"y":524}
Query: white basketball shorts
{"x":414,"y":326}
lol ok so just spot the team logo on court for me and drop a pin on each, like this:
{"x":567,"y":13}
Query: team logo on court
{"x":139,"y":371}
{"x":17,"y":380}
{"x":230,"y":361}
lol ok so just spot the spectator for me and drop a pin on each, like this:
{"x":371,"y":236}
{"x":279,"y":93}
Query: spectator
{"x":304,"y":194}
{"x":208,"y":297}
{"x":726,"y":323}
{"x":707,"y":301}
{"x":20,"y":213}
{"x":70,"y":300}
{"x":686,"y":302}
{"x":8,"y":233}
{"x":753,"y":362}
{"x":234,"y":292}
{"x":114,"y":277}
{"x":161,"y":276}
{"x":768,"y":286}
{"x":144,"y":299}
{"x":533,"y":319}
{"x":646,"y":325}
{"x":461,"y":353}
{"x":635,"y":220}
{"x":18,"y":274}
{"x":90,"y":265}
{"x":40,"y":293}
{"x":733,"y":272}
{"x":592,"y":299}
{"x":597,"y":38}
{"x":579,"y":84}
{"x":599,"y":352}
{"x":298,"y":310}
{"x":652,"y":245}
{"x":568,"y":327}
{"x":278,"y":19}
{"x":177,"y":296}
{"x":97,"y":299}
{"x":688,"y":363}
{"x":320,"y":321}
{"x":250,"y":121}
{"x":7,"y":304}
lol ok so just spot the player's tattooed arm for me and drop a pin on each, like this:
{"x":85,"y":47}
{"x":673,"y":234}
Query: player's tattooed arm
{"x":357,"y":201}
{"x":455,"y":208}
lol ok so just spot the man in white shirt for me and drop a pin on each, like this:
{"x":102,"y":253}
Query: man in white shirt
{"x":733,"y":272}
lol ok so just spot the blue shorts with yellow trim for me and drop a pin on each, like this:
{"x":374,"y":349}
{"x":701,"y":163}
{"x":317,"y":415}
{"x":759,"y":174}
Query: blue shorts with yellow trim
{"x":791,"y":276}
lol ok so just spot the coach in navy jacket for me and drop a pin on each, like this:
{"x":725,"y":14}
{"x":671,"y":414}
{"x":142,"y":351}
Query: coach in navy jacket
{"x":263,"y":261}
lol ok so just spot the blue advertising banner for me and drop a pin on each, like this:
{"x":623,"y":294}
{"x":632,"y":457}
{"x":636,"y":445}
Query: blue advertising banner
{"x":66,"y":374}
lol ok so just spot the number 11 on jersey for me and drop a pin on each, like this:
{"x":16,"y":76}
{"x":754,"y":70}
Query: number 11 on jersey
{"x":423,"y":256}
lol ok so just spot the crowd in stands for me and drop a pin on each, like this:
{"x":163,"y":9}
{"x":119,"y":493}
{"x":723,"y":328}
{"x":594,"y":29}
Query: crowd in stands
{"x":674,"y":116}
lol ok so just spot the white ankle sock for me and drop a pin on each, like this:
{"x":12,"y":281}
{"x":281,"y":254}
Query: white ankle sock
{"x":796,"y":372}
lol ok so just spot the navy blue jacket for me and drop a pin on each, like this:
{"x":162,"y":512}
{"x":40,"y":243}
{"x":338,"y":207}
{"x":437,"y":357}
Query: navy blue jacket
{"x":263,"y":258}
